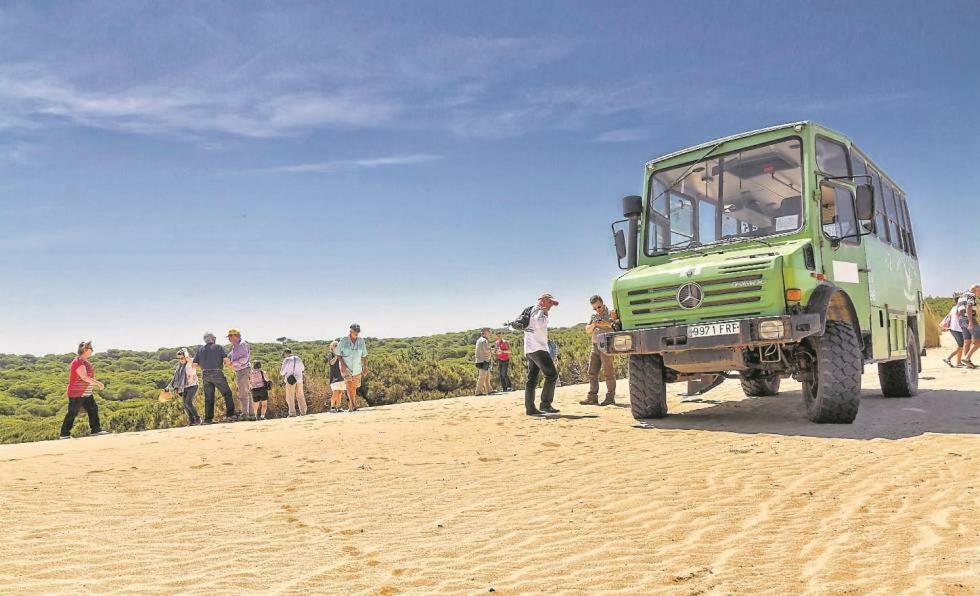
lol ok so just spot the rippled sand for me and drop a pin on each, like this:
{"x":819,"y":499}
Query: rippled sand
{"x":727,"y":495}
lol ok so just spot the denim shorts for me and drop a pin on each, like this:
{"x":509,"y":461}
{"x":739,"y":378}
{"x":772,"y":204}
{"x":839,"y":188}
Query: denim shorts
{"x":967,"y":333}
{"x":957,"y":336}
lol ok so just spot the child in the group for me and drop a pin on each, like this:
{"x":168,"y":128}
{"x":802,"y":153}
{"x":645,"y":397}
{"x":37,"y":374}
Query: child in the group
{"x":260,"y":390}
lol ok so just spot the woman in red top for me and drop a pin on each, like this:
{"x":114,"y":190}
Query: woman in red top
{"x":502,"y":349}
{"x":81,"y":383}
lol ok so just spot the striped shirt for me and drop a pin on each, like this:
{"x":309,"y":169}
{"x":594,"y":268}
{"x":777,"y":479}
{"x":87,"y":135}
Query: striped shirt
{"x":76,"y":386}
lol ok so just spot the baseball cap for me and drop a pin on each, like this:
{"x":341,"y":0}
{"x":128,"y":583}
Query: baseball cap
{"x":234,"y":332}
{"x":548,"y":297}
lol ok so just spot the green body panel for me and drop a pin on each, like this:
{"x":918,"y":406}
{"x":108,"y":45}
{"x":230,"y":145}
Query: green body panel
{"x":746,"y":278}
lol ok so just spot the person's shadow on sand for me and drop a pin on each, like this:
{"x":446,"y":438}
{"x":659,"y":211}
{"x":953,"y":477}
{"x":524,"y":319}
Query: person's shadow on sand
{"x":567,"y":416}
{"x":946,"y":411}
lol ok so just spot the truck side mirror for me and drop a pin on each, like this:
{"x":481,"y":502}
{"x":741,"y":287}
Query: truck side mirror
{"x":864,"y":202}
{"x":620,"y":239}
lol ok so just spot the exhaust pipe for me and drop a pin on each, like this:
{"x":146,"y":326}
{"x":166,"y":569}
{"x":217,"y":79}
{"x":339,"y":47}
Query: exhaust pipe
{"x":632,"y":208}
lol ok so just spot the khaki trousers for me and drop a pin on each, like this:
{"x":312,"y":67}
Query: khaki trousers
{"x":296,"y":398}
{"x":245,"y":405}
{"x":599,"y":361}
{"x":483,"y":381}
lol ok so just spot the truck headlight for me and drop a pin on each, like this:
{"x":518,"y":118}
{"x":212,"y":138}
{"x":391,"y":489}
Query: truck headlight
{"x":622,"y":343}
{"x":771,"y":329}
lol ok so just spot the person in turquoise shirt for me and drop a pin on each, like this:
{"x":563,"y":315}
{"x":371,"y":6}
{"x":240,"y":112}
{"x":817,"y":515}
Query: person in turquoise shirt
{"x":353,"y":363}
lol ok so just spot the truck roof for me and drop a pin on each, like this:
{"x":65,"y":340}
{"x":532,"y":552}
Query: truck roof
{"x":740,"y":135}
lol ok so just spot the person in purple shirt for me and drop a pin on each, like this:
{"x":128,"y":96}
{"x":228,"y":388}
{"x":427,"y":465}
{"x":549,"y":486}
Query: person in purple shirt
{"x":241,"y":361}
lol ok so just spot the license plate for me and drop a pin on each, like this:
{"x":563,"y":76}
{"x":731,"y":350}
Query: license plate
{"x":711,"y":329}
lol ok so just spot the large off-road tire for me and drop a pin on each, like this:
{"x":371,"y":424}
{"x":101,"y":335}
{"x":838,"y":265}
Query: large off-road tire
{"x":900,"y":378}
{"x":833,"y":392}
{"x":756,"y":384}
{"x":648,"y":386}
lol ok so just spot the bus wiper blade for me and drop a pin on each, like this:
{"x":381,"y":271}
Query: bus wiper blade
{"x":733,"y":239}
{"x":687,"y":173}
{"x":691,"y":244}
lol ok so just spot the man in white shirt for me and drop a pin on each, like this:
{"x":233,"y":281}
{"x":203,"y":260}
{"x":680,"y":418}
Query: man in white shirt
{"x":292,"y":370}
{"x":483,"y":363}
{"x":539,"y":358}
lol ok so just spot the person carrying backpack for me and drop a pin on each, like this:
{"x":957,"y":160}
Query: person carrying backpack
{"x":539,"y":359}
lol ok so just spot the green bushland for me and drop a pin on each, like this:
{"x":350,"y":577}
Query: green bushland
{"x":33,"y":402}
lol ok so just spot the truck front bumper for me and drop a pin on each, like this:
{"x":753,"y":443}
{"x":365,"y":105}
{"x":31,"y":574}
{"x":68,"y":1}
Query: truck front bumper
{"x":753,"y":332}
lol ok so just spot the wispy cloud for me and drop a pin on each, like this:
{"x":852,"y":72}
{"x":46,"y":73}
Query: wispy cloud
{"x":623,"y":135}
{"x":326,"y":167}
{"x":31,"y":97}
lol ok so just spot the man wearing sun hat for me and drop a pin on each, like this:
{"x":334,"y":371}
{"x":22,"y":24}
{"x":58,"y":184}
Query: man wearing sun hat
{"x":241,"y":363}
{"x":539,"y":358}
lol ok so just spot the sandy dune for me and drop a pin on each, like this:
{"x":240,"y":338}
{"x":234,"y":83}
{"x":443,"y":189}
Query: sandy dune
{"x":468,"y":495}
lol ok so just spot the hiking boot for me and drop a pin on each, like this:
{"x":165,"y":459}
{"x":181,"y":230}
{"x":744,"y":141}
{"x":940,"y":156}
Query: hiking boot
{"x":609,"y":401}
{"x":549,"y":410}
{"x":590,"y":401}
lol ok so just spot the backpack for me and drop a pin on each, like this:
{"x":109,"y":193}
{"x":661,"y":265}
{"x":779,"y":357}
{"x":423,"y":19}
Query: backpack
{"x":521,"y":322}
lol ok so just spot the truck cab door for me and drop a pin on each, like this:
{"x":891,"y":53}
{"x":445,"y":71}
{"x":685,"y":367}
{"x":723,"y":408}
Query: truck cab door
{"x":843,"y":259}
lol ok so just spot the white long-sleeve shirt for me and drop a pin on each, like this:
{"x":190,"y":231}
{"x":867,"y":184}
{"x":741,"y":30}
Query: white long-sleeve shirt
{"x":536,"y":334}
{"x":293,"y":365}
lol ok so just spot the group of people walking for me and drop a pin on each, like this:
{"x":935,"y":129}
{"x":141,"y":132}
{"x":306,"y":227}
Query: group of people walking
{"x":346,"y":361}
{"x":250,"y":399}
{"x":961,"y":322}
{"x":541,"y":354}
{"x":347,"y":365}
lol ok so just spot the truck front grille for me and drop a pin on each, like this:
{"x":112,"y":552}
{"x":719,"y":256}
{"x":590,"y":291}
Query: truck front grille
{"x":658,"y":305}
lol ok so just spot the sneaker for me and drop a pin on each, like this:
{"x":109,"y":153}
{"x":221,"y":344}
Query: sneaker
{"x":534,"y":413}
{"x":208,"y":422}
{"x":100,"y":433}
{"x":64,"y":437}
{"x":549,"y":410}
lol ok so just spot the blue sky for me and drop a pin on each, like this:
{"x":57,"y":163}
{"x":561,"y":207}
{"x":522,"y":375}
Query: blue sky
{"x":286,"y":168}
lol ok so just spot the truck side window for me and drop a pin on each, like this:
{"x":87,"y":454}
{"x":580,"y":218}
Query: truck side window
{"x":837,"y":216}
{"x":892,"y":212}
{"x":831,"y":157}
{"x":881,"y":222}
{"x":910,"y":236}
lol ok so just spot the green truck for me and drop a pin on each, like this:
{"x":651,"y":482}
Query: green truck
{"x":776,"y":253}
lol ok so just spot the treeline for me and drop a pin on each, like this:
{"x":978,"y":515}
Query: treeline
{"x":33,"y":402}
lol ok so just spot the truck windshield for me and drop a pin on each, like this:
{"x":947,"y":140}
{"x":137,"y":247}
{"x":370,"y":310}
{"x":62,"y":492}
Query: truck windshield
{"x":749,"y":193}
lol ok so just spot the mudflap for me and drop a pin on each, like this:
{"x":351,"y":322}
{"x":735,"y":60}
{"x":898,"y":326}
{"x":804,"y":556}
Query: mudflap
{"x":702,"y":385}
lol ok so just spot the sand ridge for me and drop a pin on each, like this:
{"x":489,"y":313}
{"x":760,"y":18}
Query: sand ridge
{"x":727,"y":495}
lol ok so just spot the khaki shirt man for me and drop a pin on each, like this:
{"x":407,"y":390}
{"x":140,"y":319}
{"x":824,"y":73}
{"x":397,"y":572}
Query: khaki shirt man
{"x":601,"y":322}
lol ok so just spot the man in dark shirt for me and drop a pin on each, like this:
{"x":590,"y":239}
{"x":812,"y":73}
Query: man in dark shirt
{"x":210,"y":358}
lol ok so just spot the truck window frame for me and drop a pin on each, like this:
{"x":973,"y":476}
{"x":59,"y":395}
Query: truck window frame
{"x":650,"y":183}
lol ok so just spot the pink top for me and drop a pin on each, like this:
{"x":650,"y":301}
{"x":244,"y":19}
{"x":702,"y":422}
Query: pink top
{"x":256,"y":379}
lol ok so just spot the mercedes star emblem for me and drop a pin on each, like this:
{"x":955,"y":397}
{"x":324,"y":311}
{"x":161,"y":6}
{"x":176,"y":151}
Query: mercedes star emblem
{"x":690,"y":295}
